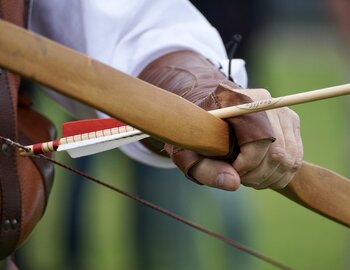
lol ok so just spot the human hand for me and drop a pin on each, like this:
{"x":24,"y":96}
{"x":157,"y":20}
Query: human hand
{"x":260,"y":163}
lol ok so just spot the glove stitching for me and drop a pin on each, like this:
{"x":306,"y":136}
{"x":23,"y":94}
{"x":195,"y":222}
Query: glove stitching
{"x":194,"y":80}
{"x":215,"y":100}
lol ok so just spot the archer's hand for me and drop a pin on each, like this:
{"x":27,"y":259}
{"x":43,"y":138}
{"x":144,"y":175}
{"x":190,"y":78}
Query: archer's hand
{"x":260,"y":163}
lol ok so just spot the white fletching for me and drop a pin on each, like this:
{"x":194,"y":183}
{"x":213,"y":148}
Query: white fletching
{"x":97,"y":145}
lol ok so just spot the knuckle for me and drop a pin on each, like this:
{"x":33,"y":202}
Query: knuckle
{"x":259,"y":94}
{"x":289,"y":165}
{"x":286,"y":163}
{"x":278,"y":155}
{"x":293,"y":116}
{"x":297,"y":165}
{"x":264,"y":94}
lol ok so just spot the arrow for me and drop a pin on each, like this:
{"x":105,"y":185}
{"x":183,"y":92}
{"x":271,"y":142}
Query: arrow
{"x":87,"y":137}
{"x":289,"y":100}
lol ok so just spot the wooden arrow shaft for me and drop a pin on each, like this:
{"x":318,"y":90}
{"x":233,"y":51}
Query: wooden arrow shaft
{"x":274,"y":103}
{"x":154,"y":111}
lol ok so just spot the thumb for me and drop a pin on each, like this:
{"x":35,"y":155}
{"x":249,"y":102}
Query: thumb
{"x":215,"y":173}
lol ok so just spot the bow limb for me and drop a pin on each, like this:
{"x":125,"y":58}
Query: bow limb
{"x":154,"y":111}
{"x":322,"y":191}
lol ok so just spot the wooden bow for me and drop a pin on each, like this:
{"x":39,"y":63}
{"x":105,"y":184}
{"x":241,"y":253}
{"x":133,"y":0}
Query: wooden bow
{"x":154,"y":111}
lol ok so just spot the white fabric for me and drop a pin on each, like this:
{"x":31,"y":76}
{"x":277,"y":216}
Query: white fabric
{"x":128,"y":35}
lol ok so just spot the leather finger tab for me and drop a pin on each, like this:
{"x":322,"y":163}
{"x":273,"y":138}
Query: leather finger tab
{"x":248,"y":128}
{"x":184,"y":159}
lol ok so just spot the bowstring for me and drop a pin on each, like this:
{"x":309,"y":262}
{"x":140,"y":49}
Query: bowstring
{"x":155,"y":207}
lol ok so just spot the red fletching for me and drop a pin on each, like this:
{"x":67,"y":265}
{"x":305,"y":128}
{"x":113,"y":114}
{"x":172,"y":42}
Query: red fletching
{"x":90,"y":125}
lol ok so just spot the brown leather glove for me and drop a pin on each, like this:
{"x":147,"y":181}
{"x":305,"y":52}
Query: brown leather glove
{"x":193,"y":77}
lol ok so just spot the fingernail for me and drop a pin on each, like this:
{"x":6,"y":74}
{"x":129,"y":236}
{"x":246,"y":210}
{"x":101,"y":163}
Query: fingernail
{"x":224,"y":179}
{"x":220,"y":180}
{"x":227,"y":181}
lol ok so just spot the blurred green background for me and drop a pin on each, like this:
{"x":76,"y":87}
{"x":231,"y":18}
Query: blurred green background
{"x":294,"y":46}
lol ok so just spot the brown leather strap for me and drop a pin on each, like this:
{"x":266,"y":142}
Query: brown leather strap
{"x":14,"y":11}
{"x":9,"y":182}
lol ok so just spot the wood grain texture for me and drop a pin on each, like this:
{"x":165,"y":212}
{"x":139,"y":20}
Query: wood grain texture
{"x":154,"y":111}
{"x":322,"y":191}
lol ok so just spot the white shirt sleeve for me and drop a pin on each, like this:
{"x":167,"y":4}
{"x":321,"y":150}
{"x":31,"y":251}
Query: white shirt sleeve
{"x":128,"y":35}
